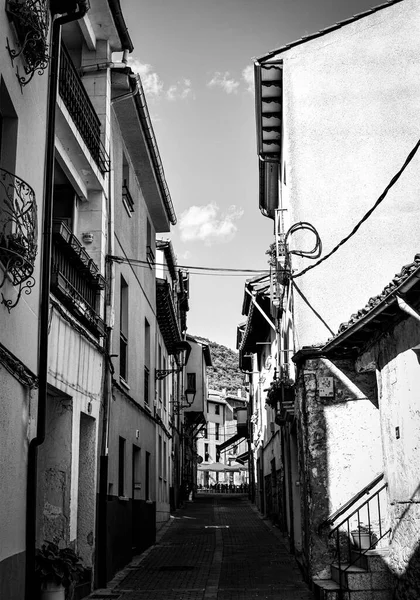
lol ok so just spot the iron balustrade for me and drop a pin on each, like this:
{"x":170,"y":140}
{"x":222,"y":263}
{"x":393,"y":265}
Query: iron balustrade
{"x":31,"y":22}
{"x":72,"y":281}
{"x":368,"y":518}
{"x":77,"y":102}
{"x":18,"y":234}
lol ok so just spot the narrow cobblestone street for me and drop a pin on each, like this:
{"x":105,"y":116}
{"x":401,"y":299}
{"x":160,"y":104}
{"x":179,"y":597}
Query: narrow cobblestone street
{"x":216,"y":548}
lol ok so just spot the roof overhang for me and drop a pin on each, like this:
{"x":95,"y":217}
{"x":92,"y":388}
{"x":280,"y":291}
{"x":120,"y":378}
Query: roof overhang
{"x":131,"y":110}
{"x":268,"y":110}
{"x":166,"y":316}
{"x":380,"y":315}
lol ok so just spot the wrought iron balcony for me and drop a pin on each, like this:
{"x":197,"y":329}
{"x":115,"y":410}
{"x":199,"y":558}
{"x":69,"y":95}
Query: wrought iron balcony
{"x":77,"y":102}
{"x":30,"y":19}
{"x":18,"y":234}
{"x":75,"y":279}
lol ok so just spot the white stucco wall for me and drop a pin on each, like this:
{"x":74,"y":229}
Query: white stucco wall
{"x":397,"y":358}
{"x":351,"y":106}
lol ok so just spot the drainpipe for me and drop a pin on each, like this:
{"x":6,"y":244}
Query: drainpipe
{"x":31,"y":492}
{"x":407,"y":308}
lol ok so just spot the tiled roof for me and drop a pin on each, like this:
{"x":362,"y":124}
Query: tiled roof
{"x":396,"y":282}
{"x":322,"y":32}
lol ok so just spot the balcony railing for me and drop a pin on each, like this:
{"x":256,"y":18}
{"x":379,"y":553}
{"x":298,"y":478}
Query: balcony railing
{"x":31,"y":22}
{"x":77,"y":102}
{"x":74,"y":279}
{"x":18,"y":234}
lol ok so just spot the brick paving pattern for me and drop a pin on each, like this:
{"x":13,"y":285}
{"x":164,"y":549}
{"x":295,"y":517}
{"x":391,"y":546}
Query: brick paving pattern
{"x":216,"y":548}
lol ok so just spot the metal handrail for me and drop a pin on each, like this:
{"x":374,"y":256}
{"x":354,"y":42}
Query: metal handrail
{"x":373,"y":537}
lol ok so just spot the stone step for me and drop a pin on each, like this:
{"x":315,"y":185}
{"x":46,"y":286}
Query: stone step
{"x":372,"y":560}
{"x":370,"y":595}
{"x":326,"y":589}
{"x":356,"y":578}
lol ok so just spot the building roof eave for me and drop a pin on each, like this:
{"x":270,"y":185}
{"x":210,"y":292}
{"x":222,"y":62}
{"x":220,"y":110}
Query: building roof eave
{"x":272,"y":53}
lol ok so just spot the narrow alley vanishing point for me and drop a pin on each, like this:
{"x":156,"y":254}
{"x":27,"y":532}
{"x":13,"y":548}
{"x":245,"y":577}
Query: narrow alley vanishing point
{"x":215,"y":548}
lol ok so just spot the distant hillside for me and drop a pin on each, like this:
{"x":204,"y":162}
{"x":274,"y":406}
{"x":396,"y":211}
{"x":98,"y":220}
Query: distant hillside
{"x":225,"y":372}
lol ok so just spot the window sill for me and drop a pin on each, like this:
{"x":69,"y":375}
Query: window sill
{"x":123,"y":498}
{"x":124,"y":383}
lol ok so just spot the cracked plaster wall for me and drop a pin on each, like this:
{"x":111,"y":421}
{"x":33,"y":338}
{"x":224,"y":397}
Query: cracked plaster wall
{"x":340,"y":449}
{"x":397,"y":361}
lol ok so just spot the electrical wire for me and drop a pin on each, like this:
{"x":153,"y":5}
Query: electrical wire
{"x":194,"y":270}
{"x":304,"y":298}
{"x":316,"y":250}
{"x":366,"y":215}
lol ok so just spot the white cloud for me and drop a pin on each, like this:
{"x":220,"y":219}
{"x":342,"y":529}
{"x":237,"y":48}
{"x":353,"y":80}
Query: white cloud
{"x":248,"y":77}
{"x":181,"y":90}
{"x":152,"y":83}
{"x":154,"y":87}
{"x":224,"y":81}
{"x":184,"y":255}
{"x":208,"y":224}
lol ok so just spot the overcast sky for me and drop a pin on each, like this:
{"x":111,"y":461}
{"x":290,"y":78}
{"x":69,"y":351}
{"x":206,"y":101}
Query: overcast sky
{"x":195,"y":58}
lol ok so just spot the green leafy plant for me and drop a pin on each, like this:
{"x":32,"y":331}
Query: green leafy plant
{"x":278,"y":388}
{"x":59,"y":565}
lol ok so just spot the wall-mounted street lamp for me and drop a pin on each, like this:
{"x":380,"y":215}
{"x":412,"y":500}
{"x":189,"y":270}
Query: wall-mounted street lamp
{"x":181,"y":352}
{"x":189,"y":397}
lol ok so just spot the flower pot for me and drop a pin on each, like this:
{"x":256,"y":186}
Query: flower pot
{"x":363,"y":539}
{"x":53,"y":591}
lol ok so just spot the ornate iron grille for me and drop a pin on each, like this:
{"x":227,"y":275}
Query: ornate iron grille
{"x":18,"y":234}
{"x":77,"y":102}
{"x":30,"y":19}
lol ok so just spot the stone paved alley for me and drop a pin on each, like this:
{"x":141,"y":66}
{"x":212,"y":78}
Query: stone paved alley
{"x":216,"y":548}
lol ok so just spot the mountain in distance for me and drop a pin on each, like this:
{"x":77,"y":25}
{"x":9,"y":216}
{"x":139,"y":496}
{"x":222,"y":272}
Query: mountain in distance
{"x":225,"y":372}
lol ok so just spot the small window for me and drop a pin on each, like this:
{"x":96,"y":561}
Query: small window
{"x":8,"y":130}
{"x":217,"y":431}
{"x":121,"y":466}
{"x":123,"y":329}
{"x":217,"y":409}
{"x":206,"y":452}
{"x":150,"y":255}
{"x":147,"y":476}
{"x":146,"y":360}
{"x":126,"y":195}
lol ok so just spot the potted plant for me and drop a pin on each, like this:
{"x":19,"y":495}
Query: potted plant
{"x":58,"y":570}
{"x":363,"y":537}
{"x":273,"y":393}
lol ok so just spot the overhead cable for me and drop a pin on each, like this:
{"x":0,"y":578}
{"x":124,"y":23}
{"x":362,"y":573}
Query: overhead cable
{"x":367,"y":215}
{"x":316,"y":250}
{"x":190,"y":268}
{"x":304,"y":298}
